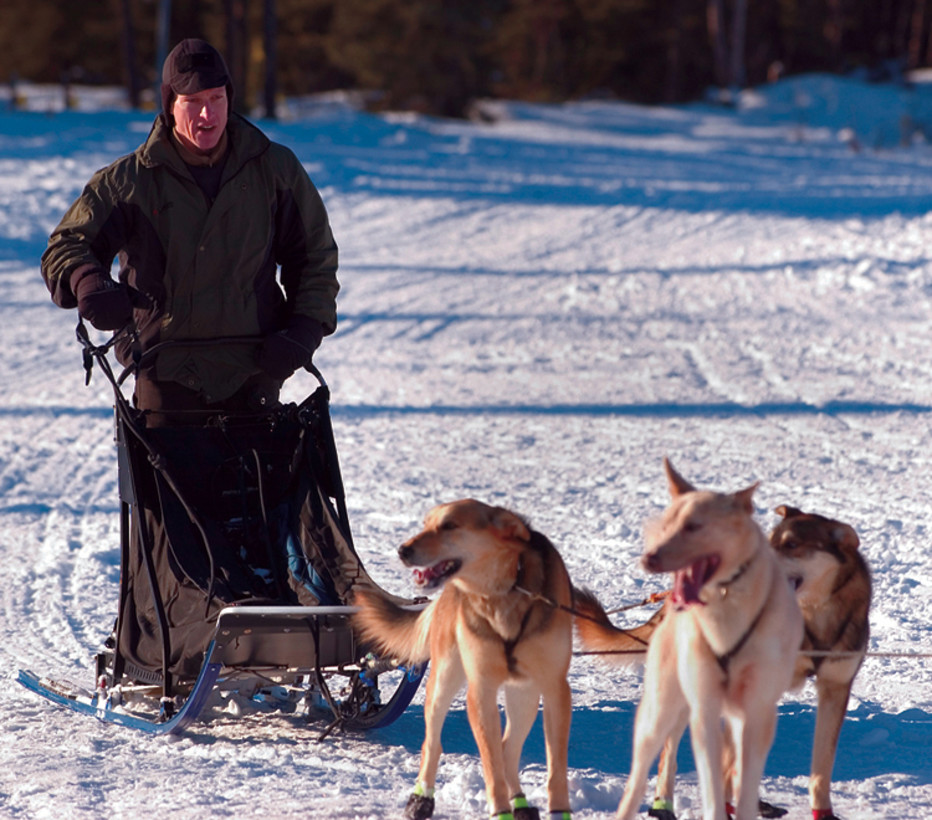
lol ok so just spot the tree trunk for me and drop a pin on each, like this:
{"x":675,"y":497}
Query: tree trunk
{"x":739,"y":27}
{"x":674,"y":53}
{"x":161,"y":42}
{"x":236,"y":50}
{"x":270,"y":40}
{"x":130,"y":71}
{"x":715,"y":20}
{"x":916,"y":24}
{"x":834,"y":30}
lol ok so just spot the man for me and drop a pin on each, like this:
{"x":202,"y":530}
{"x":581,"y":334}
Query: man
{"x":201,"y":217}
{"x":225,"y":251}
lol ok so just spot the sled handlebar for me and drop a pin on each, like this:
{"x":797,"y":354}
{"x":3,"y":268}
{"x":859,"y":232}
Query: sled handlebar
{"x":143,"y":357}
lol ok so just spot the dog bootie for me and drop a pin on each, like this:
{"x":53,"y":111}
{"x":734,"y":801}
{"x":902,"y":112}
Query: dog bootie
{"x":662,"y":810}
{"x":523,"y":809}
{"x":420,"y":804}
{"x":766,"y":809}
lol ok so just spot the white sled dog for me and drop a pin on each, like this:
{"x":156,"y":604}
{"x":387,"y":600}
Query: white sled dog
{"x":724,"y":651}
{"x":502,"y":620}
{"x":833,"y":590}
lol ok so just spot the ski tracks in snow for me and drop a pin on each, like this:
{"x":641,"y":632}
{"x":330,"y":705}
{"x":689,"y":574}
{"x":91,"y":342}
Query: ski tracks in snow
{"x":538,"y":335}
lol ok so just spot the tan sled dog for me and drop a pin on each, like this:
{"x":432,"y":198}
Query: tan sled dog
{"x":833,"y":590}
{"x":502,"y":620}
{"x":724,"y":650}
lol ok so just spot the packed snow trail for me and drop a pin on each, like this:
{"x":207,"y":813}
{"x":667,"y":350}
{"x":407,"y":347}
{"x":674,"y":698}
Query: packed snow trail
{"x":534,"y":312}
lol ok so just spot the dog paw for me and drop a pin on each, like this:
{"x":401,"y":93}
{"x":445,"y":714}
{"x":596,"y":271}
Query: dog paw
{"x":419,"y":807}
{"x":526,"y":813}
{"x":765,"y":809}
{"x":523,"y":810}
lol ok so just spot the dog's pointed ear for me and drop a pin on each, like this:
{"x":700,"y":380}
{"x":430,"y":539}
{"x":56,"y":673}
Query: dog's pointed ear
{"x":845,"y":537}
{"x":677,"y":484}
{"x":744,"y":498}
{"x":786,"y":511}
{"x":510,"y":526}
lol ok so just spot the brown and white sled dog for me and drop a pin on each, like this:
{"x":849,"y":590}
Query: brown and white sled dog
{"x":833,"y":590}
{"x":502,"y":620}
{"x":724,"y":651}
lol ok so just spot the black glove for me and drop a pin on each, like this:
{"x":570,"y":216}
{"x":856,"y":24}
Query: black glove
{"x":103,"y":302}
{"x":284,"y":352}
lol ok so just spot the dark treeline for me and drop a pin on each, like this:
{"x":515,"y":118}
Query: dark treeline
{"x":438,"y":55}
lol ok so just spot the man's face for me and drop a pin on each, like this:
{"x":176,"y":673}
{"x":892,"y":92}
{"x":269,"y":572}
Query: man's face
{"x":200,"y":118}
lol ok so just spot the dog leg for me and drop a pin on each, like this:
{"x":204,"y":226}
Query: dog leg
{"x":832,"y":703}
{"x":558,"y":710}
{"x":752,"y":735}
{"x":666,"y":773}
{"x":705,"y":729}
{"x":729,"y":764}
{"x":446,"y":679}
{"x":660,"y":711}
{"x":658,"y":714}
{"x":485,"y":722}
{"x":521,"y":702}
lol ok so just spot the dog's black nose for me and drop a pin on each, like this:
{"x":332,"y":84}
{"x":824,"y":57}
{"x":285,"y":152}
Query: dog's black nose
{"x":404,"y":552}
{"x":651,"y":562}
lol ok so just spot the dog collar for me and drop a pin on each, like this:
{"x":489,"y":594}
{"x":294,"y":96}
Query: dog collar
{"x":726,"y":584}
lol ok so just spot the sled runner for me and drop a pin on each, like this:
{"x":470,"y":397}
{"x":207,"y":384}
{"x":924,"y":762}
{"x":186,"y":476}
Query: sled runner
{"x":237,"y":572}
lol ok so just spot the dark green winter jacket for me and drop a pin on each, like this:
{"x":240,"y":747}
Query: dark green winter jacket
{"x":204,"y":270}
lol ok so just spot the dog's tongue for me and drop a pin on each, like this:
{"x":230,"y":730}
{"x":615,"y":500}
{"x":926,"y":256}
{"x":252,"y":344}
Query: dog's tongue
{"x":422,"y":577}
{"x":689,"y":581}
{"x":427,"y":576}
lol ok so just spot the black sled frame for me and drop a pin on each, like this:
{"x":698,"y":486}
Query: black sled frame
{"x":276,"y":642}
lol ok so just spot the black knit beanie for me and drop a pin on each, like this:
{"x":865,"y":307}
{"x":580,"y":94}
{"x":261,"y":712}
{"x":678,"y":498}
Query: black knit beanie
{"x":193,"y":65}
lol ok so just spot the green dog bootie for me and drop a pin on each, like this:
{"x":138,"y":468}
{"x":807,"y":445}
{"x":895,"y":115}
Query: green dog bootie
{"x":523,"y":809}
{"x":662,"y":810}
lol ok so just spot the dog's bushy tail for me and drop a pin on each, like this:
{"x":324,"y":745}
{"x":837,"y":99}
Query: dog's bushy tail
{"x":404,"y":634}
{"x":623,"y":647}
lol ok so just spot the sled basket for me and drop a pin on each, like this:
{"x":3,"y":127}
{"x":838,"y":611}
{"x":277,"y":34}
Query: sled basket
{"x":237,"y":572}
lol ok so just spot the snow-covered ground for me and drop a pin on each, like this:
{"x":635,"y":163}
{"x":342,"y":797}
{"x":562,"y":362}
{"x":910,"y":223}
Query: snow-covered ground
{"x":534,"y":312}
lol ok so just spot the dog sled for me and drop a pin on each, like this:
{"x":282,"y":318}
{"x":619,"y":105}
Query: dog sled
{"x":237,"y":573}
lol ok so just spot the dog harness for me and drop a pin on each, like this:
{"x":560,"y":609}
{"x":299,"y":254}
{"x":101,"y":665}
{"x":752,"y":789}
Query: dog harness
{"x":541,"y":545}
{"x":537,"y":543}
{"x":724,"y":661}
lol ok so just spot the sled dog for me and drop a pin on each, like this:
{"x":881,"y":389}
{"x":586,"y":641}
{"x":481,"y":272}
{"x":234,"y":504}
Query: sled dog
{"x":723,"y":651}
{"x":833,"y":590}
{"x":501,"y":620}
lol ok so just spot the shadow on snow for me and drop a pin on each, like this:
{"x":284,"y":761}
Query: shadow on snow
{"x":725,"y":409}
{"x":872,"y":744}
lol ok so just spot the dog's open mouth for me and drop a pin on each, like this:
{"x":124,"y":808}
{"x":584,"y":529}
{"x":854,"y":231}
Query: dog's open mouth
{"x":433,"y":577}
{"x":688,"y":581}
